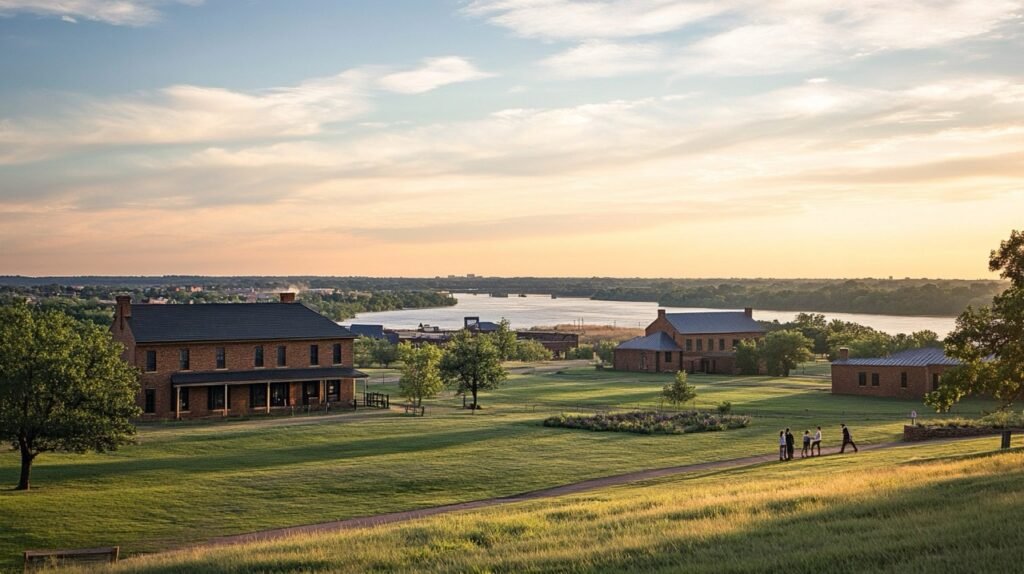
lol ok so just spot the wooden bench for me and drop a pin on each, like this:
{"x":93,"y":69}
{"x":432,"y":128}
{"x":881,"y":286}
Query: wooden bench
{"x":411,"y":408}
{"x":35,"y":559}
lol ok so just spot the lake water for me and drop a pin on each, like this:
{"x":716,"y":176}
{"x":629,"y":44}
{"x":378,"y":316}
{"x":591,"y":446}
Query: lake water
{"x":542,"y":310}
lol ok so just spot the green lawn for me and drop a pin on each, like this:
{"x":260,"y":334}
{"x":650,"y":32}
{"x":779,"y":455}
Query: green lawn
{"x":188,"y":482}
{"x":940,"y":507}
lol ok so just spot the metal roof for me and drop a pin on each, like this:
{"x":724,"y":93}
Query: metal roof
{"x":231,"y":322}
{"x":714,"y":322}
{"x":264,"y":376}
{"x":371,"y":331}
{"x":910,"y":358}
{"x":660,"y":341}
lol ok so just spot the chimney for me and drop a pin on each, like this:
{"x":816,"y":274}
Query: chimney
{"x":844,"y":353}
{"x":661,"y":313}
{"x":123,"y":310}
{"x":287,"y":297}
{"x":749,"y":312}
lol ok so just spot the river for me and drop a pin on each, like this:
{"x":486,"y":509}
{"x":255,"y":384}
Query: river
{"x":542,"y":310}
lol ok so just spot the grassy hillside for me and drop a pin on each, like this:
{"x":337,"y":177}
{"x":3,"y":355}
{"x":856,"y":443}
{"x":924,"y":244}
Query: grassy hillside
{"x":931,"y":508}
{"x":188,"y":482}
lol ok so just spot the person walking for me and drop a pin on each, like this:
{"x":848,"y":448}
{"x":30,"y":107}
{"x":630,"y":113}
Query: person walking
{"x":790,"y":445}
{"x":782,"y":445}
{"x":816,"y":442}
{"x":847,"y":440}
{"x":807,"y":445}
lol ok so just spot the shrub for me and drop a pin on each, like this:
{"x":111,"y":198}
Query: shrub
{"x":650,"y":422}
{"x":996,"y":420}
{"x":724,"y":407}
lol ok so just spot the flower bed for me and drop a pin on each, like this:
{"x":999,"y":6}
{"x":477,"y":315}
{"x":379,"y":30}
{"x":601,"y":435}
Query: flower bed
{"x":651,"y":422}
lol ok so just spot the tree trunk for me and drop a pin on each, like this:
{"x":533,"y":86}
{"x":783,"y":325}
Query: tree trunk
{"x":474,"y":399}
{"x":26,"y":469}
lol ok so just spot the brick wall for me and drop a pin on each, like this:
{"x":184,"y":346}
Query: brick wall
{"x":846,"y":380}
{"x":651,"y":361}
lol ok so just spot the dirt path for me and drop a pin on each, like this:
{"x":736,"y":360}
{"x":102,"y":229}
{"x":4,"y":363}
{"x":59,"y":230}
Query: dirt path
{"x":574,"y":488}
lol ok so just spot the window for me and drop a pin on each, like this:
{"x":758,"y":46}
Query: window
{"x":150,"y":407}
{"x":935,"y":381}
{"x":183,"y":405}
{"x":711,"y":344}
{"x":336,"y":354}
{"x":150,"y":361}
{"x":215,"y":398}
{"x":735,"y":343}
{"x":700,"y":345}
{"x":257,"y":357}
{"x":689,"y":344}
{"x":257,"y":395}
{"x":314,"y":354}
{"x":282,"y":357}
{"x":862,"y":379}
{"x":334,"y":390}
{"x":721,"y":344}
{"x":222,"y":362}
{"x":874,"y":379}
{"x":903,"y":379}
{"x":183,"y":362}
{"x":311,"y":389}
{"x":279,"y":394}
{"x":668,"y":356}
{"x":643,"y":361}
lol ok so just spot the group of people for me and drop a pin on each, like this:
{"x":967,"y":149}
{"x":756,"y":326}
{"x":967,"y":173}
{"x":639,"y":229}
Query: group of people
{"x":787,"y":443}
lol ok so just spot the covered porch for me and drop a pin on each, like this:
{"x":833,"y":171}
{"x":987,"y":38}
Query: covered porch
{"x":262,"y":391}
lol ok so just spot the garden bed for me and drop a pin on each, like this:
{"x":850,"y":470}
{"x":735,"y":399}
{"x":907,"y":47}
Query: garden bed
{"x":993,"y":423}
{"x":651,"y":422}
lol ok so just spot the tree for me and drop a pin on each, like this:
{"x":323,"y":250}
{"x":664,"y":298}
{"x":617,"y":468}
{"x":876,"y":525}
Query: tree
{"x":748,"y":358}
{"x":782,"y":351}
{"x":472,"y":364}
{"x":63,"y":386}
{"x":989,"y":341}
{"x":505,"y":340}
{"x":363,"y":351}
{"x":528,"y":351}
{"x":679,"y":391}
{"x":383,"y":352}
{"x":421,"y":372}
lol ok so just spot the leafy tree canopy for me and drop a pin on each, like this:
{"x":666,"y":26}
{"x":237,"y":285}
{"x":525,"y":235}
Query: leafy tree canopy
{"x":421,"y":372}
{"x":472,"y":363}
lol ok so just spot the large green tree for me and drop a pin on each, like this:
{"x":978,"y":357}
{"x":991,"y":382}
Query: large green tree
{"x":782,"y":351}
{"x":421,"y":372}
{"x":472,"y":363}
{"x":505,"y":340}
{"x":383,"y":352}
{"x":989,"y":341}
{"x":63,"y":386}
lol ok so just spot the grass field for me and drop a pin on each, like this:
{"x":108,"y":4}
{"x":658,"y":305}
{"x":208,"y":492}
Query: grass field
{"x":187,"y":482}
{"x":933,"y":508}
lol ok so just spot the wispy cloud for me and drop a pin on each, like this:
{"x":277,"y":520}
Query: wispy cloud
{"x":598,"y":58}
{"x":115,"y":12}
{"x":434,"y":73}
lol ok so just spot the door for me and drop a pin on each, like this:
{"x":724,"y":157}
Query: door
{"x":310,"y":392}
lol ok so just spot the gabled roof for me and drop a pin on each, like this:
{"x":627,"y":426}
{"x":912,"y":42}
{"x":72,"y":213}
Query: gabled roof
{"x":910,"y":358}
{"x":231,"y":322}
{"x":714,"y":322}
{"x":660,"y":341}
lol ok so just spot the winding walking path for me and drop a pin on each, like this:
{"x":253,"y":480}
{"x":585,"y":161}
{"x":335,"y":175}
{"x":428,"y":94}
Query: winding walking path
{"x":573,"y":488}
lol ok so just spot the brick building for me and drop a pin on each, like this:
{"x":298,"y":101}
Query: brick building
{"x":907,"y":374}
{"x":235,"y":358}
{"x":695,"y":342}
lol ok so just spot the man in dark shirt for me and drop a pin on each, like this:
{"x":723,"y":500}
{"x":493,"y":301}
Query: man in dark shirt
{"x":847,"y":440}
{"x":790,"y":445}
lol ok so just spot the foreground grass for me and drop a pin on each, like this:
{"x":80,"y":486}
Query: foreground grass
{"x":932,"y":508}
{"x":188,"y":482}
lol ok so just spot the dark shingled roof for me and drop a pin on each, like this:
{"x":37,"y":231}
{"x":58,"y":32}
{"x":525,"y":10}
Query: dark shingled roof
{"x":265,"y":376}
{"x":660,"y":341}
{"x":713,"y":322}
{"x":484,"y":326}
{"x":909,"y":358}
{"x":231,"y":322}
{"x":371,"y":331}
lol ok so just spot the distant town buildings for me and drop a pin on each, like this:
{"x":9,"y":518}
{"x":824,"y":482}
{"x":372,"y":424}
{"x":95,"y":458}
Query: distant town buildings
{"x":692,"y":342}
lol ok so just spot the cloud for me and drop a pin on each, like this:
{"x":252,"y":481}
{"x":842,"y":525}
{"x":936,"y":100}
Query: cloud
{"x":599,"y":59}
{"x":434,"y":73}
{"x":115,"y":12}
{"x":68,"y":19}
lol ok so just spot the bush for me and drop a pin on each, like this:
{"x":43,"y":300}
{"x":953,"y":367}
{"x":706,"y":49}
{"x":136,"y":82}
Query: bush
{"x":650,"y":422}
{"x":724,"y":407}
{"x":996,"y":420}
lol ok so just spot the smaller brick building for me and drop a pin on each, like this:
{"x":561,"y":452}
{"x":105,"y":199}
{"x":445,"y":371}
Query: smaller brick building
{"x":908,"y":374}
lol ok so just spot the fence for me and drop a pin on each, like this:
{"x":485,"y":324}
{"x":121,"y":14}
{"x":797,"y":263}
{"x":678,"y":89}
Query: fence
{"x":377,"y":400}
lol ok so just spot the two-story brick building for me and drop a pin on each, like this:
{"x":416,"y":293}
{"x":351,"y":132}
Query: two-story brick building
{"x":908,"y":374}
{"x":701,"y":342}
{"x":235,"y":358}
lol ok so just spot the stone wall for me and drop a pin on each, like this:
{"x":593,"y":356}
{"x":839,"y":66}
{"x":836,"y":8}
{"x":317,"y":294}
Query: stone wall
{"x":919,"y":433}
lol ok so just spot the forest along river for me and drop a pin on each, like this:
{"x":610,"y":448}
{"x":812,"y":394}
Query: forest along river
{"x":542,"y":310}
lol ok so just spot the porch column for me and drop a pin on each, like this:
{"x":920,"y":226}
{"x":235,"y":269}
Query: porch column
{"x":323,"y":391}
{"x":226,"y":405}
{"x":268,"y":397}
{"x":177,"y":403}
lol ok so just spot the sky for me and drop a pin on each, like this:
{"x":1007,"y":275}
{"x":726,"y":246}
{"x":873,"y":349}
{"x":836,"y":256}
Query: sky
{"x":649,"y":138}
